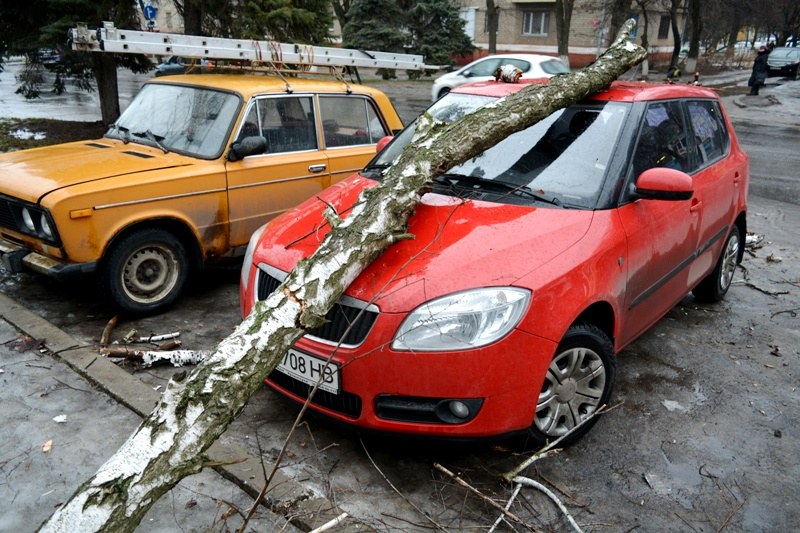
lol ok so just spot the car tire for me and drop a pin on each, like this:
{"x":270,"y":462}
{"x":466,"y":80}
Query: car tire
{"x":579,"y":381}
{"x":145,"y":272}
{"x":714,"y":286}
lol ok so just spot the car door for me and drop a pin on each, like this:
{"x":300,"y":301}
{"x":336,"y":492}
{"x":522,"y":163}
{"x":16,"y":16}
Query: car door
{"x":351,"y":128}
{"x":661,"y":234}
{"x":716,"y":182}
{"x":292,"y":169}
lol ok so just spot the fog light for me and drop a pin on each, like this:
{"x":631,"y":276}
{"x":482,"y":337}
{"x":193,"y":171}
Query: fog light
{"x":459,"y":409}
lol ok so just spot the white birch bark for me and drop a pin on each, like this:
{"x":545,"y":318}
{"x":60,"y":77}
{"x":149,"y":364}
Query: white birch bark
{"x":170,"y":443}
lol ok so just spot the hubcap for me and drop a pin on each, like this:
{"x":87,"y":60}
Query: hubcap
{"x":150,"y":274}
{"x":571,"y":392}
{"x":729,"y":262}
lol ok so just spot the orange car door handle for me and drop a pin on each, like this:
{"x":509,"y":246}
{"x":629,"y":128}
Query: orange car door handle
{"x":695,"y":207}
{"x":317,"y":168}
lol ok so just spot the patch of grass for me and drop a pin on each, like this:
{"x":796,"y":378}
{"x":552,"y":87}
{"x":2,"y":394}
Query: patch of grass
{"x":53,"y":132}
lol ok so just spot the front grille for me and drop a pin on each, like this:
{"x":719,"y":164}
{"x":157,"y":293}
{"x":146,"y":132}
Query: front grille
{"x":348,"y":322}
{"x":345,"y":403}
{"x":6,"y":214}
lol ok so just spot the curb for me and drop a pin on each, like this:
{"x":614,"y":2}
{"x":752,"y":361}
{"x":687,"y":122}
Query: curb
{"x":285,"y":497}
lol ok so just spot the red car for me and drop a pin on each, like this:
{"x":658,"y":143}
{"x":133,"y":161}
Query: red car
{"x":533,"y":265}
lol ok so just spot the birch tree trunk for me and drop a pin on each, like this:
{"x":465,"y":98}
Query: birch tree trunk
{"x":170,"y":443}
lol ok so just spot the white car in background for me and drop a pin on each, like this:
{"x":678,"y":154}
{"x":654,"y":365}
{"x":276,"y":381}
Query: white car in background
{"x":532,"y":66}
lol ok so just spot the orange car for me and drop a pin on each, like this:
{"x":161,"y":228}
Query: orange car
{"x":190,"y":169}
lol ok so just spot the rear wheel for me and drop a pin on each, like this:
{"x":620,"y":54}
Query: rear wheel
{"x":579,"y":381}
{"x":145,"y":272}
{"x":714,"y":286}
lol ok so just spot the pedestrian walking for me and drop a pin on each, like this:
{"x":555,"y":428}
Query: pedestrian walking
{"x":759,"y":74}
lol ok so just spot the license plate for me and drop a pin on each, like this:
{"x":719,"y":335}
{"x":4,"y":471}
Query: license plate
{"x":308,"y":369}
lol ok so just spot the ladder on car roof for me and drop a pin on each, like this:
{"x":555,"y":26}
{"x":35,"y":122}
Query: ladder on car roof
{"x":111,"y":39}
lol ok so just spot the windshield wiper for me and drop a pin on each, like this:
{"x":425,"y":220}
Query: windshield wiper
{"x":123,"y":133}
{"x":150,"y":136}
{"x":512,"y":188}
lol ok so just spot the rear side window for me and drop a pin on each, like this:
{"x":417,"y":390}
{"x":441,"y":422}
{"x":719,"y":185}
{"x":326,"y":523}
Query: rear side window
{"x":710,"y":133}
{"x":349,"y":121}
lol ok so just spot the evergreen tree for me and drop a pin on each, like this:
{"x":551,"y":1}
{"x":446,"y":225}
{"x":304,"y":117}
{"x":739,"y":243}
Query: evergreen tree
{"x":437,"y":32}
{"x":375,"y":25}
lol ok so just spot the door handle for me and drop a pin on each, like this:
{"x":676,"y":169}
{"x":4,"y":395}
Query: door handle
{"x":695,"y":207}
{"x":317,"y":168}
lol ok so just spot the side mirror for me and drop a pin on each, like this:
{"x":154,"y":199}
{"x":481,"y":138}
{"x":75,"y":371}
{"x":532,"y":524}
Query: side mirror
{"x":660,"y":183}
{"x":382,"y":143}
{"x":247,"y":146}
{"x":466,"y":74}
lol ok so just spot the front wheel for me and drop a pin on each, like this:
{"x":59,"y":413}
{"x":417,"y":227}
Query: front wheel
{"x":579,"y":381}
{"x":714,"y":286}
{"x":145,"y":272}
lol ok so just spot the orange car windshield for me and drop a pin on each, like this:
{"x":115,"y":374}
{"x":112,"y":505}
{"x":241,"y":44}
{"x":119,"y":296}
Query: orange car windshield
{"x":175,"y":118}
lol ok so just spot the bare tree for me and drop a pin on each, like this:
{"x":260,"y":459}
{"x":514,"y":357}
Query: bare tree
{"x":196,"y":409}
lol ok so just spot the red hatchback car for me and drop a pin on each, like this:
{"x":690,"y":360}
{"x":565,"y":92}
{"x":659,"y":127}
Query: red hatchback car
{"x":533,"y":265}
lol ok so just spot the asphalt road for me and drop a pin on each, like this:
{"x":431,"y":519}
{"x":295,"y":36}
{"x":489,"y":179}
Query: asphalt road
{"x":705,"y":436}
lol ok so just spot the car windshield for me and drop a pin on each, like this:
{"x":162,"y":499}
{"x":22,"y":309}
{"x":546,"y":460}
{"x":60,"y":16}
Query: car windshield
{"x":561,"y":160}
{"x":176,"y":118}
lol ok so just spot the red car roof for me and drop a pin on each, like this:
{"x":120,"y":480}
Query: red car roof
{"x":620,"y":91}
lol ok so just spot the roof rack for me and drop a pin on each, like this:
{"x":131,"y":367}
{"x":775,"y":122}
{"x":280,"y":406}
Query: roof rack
{"x":111,"y":39}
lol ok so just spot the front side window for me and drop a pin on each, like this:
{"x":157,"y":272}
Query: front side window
{"x":175,"y":118}
{"x":662,"y":139}
{"x":535,"y":23}
{"x":349,"y":121}
{"x":286,"y":122}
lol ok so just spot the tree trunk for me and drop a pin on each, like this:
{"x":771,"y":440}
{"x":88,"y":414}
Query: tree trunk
{"x":195,"y":410}
{"x":676,"y":32}
{"x":643,"y":30}
{"x":563,"y":23}
{"x":619,"y":14}
{"x":695,"y":29}
{"x":491,"y":25}
{"x":105,"y":73}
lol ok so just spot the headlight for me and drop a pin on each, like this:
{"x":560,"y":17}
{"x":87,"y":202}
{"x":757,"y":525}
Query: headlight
{"x":27,"y":219}
{"x":463,"y":320}
{"x":33,"y":221}
{"x":48,"y":232}
{"x":247,"y":262}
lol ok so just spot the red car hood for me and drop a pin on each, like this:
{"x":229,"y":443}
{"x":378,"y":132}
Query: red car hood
{"x":31,"y":174}
{"x":459,"y":245}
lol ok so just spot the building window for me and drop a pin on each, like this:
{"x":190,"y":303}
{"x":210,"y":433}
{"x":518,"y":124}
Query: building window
{"x":663,"y":27}
{"x":535,"y":22}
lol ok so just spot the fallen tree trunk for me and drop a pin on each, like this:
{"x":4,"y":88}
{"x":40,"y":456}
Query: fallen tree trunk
{"x":170,"y":443}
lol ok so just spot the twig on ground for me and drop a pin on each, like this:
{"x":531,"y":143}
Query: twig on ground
{"x":330,"y":524}
{"x":502,"y":517}
{"x":521,"y":480}
{"x":389,"y":482}
{"x":478,"y":493}
{"x":550,"y":450}
{"x":104,"y":339}
{"x":765,"y":291}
